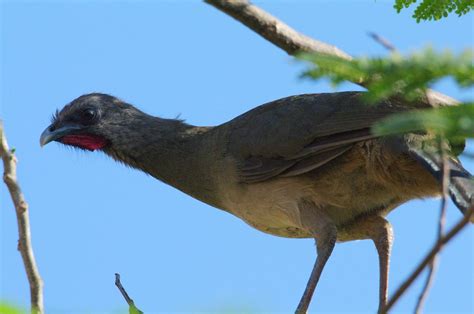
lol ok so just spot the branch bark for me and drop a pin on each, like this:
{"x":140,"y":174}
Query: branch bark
{"x":291,"y":41}
{"x":274,"y":30}
{"x":21,"y":209}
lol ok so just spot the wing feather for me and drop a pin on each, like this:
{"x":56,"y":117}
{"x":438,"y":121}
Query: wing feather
{"x":315,"y":161}
{"x":298,"y":134}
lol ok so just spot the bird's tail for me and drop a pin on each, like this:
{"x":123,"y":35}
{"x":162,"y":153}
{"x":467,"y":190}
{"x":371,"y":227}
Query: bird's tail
{"x":461,"y":182}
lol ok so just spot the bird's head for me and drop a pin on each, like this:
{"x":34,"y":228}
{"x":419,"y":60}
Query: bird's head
{"x":86,"y":122}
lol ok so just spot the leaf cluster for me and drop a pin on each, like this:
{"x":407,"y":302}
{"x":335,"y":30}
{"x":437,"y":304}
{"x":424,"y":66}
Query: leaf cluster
{"x":7,"y":308}
{"x":429,"y":10}
{"x":407,"y":78}
{"x":394,"y":75}
{"x":453,"y":122}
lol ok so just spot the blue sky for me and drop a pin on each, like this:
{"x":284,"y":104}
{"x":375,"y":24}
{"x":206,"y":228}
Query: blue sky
{"x":92,"y":217}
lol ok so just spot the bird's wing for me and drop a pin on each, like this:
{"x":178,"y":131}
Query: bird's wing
{"x":298,"y":134}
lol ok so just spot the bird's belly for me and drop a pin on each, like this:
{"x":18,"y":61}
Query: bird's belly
{"x":270,"y":207}
{"x":356,"y":185}
{"x":273,"y":219}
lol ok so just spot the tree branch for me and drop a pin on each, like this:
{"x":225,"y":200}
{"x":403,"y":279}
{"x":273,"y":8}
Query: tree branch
{"x":428,"y":258}
{"x":291,"y":41}
{"x":274,"y":30}
{"x":433,"y":266}
{"x":21,"y":209}
{"x":132,"y":309}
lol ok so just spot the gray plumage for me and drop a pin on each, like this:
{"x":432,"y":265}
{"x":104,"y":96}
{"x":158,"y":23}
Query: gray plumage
{"x":305,"y":166}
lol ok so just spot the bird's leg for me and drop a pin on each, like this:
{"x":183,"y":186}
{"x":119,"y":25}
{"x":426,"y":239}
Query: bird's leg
{"x":315,"y":221}
{"x":383,"y":239}
{"x":379,"y":230}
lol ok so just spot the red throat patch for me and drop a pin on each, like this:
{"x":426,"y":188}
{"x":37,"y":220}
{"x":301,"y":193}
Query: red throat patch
{"x":84,"y":141}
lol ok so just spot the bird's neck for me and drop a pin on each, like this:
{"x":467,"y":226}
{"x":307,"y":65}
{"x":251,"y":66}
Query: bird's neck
{"x":170,"y":151}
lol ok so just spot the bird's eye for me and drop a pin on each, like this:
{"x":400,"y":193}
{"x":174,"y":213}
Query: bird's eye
{"x":88,"y":114}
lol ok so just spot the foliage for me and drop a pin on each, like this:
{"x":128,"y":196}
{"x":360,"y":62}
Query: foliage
{"x":385,"y":77}
{"x":408,"y":78}
{"x":6,"y":308}
{"x":454,"y":122}
{"x":435,"y":9}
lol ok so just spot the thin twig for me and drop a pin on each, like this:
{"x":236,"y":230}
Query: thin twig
{"x":23,"y":220}
{"x":382,"y":41}
{"x":132,"y":309}
{"x":434,"y":250}
{"x":433,"y":266}
{"x":291,"y":41}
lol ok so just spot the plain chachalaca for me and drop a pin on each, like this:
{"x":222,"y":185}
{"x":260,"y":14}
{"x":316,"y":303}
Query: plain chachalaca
{"x":305,"y":166}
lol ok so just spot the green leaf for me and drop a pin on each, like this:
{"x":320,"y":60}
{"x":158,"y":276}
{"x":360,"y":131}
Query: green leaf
{"x":406,"y":76}
{"x":6,"y":308}
{"x":435,"y":9}
{"x":453,"y":122}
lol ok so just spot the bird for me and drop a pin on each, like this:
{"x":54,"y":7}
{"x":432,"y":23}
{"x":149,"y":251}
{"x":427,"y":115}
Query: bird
{"x":304,"y":166}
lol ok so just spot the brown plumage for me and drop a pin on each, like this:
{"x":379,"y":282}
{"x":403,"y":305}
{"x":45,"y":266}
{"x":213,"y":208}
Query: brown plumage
{"x":305,"y":166}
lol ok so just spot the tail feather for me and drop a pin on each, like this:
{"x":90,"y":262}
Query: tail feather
{"x":461,"y":182}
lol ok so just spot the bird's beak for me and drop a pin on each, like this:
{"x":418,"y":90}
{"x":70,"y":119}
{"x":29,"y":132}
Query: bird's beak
{"x":49,"y":136}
